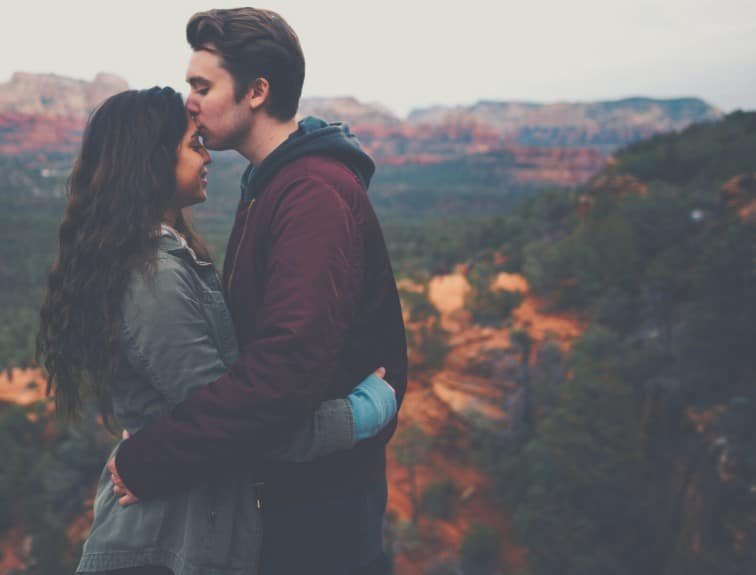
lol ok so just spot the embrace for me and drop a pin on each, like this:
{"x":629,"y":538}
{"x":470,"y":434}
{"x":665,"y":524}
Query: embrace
{"x":253,"y":403}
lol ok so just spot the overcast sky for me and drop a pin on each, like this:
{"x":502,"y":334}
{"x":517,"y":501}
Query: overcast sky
{"x":415,"y":53}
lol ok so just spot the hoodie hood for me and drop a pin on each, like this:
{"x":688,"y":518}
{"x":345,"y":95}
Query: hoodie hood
{"x":314,"y":137}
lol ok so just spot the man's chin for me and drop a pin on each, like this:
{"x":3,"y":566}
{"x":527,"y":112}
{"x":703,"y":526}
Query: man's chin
{"x":216,"y":146}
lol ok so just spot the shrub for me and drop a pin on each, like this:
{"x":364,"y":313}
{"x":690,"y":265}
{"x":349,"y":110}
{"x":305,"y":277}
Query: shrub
{"x":480,"y":550}
{"x":491,"y":307}
{"x":438,"y":499}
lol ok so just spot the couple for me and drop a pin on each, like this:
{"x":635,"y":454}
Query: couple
{"x":257,"y":412}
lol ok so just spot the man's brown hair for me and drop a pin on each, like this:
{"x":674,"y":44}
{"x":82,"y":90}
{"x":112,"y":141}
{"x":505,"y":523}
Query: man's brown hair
{"x":254,"y":43}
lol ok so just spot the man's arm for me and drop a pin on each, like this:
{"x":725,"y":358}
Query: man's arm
{"x":282,"y":374}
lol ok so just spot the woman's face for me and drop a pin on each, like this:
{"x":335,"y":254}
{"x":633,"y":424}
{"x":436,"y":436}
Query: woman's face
{"x":191,"y":173}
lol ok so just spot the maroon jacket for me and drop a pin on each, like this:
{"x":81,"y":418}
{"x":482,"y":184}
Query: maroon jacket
{"x":315,"y":306}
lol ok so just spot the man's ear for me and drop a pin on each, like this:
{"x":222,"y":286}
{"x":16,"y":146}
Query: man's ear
{"x":258,"y":93}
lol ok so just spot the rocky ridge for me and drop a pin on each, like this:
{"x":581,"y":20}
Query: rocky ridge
{"x":561,"y":144}
{"x":50,"y":95}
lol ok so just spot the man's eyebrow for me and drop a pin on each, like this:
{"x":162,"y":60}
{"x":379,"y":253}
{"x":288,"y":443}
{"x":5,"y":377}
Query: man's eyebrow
{"x":197,"y":80}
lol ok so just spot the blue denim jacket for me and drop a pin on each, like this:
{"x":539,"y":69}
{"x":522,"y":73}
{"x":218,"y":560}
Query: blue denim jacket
{"x":177,"y":335}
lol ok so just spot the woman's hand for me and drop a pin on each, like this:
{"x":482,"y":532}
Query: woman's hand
{"x":125,"y":497}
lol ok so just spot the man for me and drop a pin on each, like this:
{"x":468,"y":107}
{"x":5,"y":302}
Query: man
{"x":313,"y":299}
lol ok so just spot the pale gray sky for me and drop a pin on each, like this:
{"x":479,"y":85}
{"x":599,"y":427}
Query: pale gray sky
{"x":415,"y":53}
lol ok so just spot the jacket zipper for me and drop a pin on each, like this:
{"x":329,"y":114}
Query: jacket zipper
{"x":258,"y":498}
{"x":258,"y":494}
{"x":239,"y":247}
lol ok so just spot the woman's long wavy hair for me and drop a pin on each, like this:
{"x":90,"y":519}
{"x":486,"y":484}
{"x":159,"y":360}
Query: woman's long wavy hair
{"x":118,"y":191}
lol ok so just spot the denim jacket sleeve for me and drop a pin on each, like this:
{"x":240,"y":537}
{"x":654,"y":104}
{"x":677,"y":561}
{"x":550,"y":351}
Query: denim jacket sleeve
{"x":170,"y":329}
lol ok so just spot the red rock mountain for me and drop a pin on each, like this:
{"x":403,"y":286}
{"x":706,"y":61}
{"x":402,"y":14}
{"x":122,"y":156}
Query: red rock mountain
{"x":604,"y":125}
{"x":552,"y":144}
{"x":50,"y":95}
{"x":349,"y":110}
{"x":44,"y":114}
{"x":543,"y":144}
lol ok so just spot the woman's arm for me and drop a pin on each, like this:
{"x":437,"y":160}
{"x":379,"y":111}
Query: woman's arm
{"x":169,"y":341}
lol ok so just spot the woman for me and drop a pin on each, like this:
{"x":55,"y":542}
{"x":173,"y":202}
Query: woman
{"x":134,"y":314}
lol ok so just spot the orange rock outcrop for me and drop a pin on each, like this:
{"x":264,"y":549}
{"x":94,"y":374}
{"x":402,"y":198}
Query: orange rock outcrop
{"x":739,"y":193}
{"x":21,"y":386}
{"x":447,"y":398}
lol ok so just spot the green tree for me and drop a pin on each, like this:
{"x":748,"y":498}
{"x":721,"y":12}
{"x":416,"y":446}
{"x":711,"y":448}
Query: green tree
{"x":438,"y":499}
{"x":584,"y":507}
{"x":479,"y":552}
{"x":412,"y":447}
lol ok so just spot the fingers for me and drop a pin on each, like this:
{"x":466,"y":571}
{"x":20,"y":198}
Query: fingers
{"x":125,"y":497}
{"x":119,"y":487}
{"x":128,"y":499}
{"x":125,"y":434}
{"x":113,"y":471}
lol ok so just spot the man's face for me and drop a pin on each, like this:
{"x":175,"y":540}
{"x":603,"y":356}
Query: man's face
{"x":223,"y":122}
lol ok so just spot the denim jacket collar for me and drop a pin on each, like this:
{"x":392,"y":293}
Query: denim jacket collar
{"x":172,"y":242}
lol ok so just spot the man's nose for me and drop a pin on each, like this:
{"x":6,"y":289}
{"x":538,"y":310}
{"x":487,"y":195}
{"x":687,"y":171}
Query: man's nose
{"x":192,"y":106}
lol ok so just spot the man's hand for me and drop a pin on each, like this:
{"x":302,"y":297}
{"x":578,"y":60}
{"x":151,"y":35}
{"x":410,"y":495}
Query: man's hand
{"x":125,"y":497}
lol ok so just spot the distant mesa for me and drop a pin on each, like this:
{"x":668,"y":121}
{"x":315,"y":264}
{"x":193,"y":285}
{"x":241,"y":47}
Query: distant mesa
{"x":540,"y":144}
{"x":53,"y":95}
{"x":348,"y":110}
{"x":526,"y":143}
{"x":605,"y":125}
{"x":43,"y":115}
